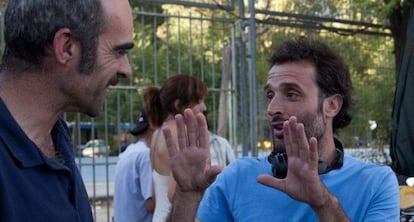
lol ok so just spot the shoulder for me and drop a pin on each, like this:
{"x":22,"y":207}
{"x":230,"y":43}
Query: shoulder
{"x":223,"y":140}
{"x":219,"y":139}
{"x":357,"y":170}
{"x":137,"y":150}
{"x":140,"y":145}
{"x":158,"y":140}
{"x":238,"y":177}
{"x":247,"y":166}
{"x":354,"y":164}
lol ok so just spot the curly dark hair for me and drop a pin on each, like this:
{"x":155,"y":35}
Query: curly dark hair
{"x":332,"y":74}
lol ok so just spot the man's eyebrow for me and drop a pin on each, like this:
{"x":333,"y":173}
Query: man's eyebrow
{"x":125,"y":46}
{"x":284,"y":85}
{"x":290,"y":85}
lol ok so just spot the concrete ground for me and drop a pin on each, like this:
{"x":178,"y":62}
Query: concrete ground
{"x":102,"y":210}
{"x":100,"y":195}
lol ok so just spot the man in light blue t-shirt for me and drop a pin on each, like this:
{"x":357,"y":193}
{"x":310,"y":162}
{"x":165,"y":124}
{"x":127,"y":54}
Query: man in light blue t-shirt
{"x":133,"y":177}
{"x":306,"y":177}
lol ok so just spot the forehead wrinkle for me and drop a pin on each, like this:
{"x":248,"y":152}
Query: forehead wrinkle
{"x":288,"y":77}
{"x":283,"y":84}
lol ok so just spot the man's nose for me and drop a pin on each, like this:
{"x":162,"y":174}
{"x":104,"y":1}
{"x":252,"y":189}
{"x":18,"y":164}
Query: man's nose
{"x":125,"y":69}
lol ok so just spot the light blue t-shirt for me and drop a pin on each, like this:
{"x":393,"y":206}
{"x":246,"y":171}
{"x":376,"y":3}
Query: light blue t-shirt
{"x":133,"y":184}
{"x":366,"y":192}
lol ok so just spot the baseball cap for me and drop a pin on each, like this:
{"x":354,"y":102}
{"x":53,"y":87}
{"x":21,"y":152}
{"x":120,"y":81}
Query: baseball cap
{"x":142,"y":124}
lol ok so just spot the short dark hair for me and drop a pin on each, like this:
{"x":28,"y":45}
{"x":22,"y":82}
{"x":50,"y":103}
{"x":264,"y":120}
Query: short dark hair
{"x":29,"y":28}
{"x":332,"y":74}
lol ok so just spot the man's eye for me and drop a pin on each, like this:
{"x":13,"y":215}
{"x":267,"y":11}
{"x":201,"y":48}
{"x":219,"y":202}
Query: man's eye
{"x":292,"y":95}
{"x":269,"y":96}
{"x":122,"y":52}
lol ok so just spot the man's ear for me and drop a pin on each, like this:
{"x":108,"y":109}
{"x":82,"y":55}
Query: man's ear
{"x":332,"y":105}
{"x":63,"y":44}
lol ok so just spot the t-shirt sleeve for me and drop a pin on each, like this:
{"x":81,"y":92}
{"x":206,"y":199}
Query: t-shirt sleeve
{"x":385,"y":205}
{"x":213,"y":206}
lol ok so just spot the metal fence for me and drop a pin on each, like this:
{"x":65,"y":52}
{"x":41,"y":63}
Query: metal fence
{"x":223,"y":43}
{"x":218,"y":43}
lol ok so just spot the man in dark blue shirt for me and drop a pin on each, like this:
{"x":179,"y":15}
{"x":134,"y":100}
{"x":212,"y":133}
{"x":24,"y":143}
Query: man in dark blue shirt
{"x":60,"y":56}
{"x":33,"y":186}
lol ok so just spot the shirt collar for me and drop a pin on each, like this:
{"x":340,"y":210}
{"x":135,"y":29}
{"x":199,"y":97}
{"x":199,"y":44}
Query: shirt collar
{"x":19,"y":145}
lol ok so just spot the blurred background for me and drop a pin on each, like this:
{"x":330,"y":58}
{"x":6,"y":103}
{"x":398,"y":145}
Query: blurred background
{"x":225,"y":43}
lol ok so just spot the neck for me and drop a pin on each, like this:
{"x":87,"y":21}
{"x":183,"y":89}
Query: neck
{"x":29,"y":101}
{"x":326,"y":149}
{"x":147,"y":137}
{"x":48,"y":147}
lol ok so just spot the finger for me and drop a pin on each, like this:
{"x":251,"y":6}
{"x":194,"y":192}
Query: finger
{"x":212,"y":173}
{"x":198,"y":128}
{"x":190,"y":126}
{"x":204,"y":141}
{"x":169,"y":141}
{"x":289,"y":129}
{"x":273,"y":182}
{"x":181,"y":134}
{"x":202,"y":181}
{"x":286,"y":138}
{"x":302,"y":143}
{"x":313,"y":149}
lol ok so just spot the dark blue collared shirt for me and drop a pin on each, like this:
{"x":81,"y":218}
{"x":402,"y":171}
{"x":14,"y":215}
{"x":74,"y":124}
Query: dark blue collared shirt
{"x":34,"y":187}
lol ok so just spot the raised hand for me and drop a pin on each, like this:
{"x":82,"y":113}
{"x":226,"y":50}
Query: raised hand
{"x":302,"y":181}
{"x":190,"y":161}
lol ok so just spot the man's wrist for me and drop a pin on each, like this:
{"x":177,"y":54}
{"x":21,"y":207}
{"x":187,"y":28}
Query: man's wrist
{"x":185,"y":205}
{"x":328,"y":201}
{"x":330,"y":210}
{"x":193,"y":196}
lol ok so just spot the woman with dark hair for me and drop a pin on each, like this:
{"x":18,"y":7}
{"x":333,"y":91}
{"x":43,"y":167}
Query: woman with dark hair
{"x":162,"y":104}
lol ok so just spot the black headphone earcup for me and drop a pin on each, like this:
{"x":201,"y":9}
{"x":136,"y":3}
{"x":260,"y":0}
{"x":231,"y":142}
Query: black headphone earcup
{"x":280,"y":165}
{"x":338,"y":162}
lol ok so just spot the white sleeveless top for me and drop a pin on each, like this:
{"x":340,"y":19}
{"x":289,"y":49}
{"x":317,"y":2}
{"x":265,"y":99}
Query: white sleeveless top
{"x":162,"y":203}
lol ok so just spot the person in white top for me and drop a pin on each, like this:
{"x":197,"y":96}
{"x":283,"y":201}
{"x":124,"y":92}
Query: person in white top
{"x":221,"y":152}
{"x":175,"y":95}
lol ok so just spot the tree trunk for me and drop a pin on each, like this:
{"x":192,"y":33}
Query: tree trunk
{"x":223,"y":114}
{"x":398,"y":18}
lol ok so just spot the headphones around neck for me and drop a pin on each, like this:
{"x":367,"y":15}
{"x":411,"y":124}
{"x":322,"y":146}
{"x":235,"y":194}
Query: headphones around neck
{"x":279,"y":162}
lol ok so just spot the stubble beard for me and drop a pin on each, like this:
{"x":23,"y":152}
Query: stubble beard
{"x":314,"y":127}
{"x":96,"y":106}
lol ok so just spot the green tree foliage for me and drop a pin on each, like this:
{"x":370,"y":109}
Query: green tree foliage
{"x":172,"y":39}
{"x":368,"y":56}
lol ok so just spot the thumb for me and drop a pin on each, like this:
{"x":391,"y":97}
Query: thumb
{"x":272,"y":182}
{"x":212,"y":173}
